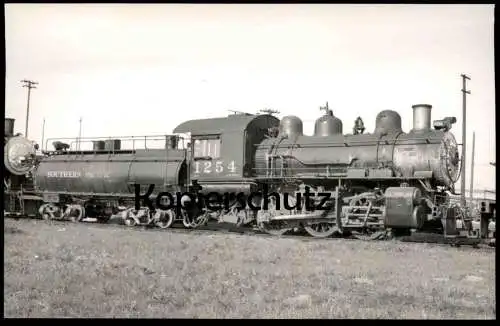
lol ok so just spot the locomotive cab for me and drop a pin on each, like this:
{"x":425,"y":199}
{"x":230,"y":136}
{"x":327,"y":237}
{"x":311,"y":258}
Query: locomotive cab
{"x":223,"y":150}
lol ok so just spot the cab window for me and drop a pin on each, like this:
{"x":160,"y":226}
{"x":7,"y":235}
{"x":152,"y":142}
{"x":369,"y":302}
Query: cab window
{"x":207,"y":147}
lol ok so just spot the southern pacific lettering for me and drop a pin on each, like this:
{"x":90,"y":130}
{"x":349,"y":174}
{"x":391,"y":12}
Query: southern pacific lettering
{"x":64,"y":174}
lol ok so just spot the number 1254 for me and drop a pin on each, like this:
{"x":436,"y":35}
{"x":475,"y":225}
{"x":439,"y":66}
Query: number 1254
{"x":209,"y":167}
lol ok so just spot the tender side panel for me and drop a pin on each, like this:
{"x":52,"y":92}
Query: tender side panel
{"x":110,"y":174}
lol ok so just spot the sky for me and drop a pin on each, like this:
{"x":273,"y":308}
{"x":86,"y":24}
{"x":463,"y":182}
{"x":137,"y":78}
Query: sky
{"x":141,"y":69}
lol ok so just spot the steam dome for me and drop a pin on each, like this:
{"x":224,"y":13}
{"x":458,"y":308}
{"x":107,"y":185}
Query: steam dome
{"x":327,"y":125}
{"x":388,"y":121}
{"x":290,"y":126}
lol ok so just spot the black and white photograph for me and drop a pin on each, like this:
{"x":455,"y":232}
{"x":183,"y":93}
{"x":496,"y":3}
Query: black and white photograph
{"x":249,"y":161}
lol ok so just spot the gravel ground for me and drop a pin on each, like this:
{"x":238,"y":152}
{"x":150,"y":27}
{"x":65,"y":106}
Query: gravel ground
{"x":71,"y":270}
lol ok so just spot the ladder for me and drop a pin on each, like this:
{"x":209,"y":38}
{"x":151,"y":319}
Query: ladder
{"x":14,"y":209}
{"x":12,"y":202}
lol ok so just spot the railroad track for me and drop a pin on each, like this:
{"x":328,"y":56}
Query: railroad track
{"x":213,"y":227}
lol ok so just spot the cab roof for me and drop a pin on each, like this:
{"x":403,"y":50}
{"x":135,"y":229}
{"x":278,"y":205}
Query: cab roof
{"x":218,"y":125}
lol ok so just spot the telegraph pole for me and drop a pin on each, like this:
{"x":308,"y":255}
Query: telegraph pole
{"x":79,"y":134}
{"x":30,"y":84}
{"x":472,"y":167}
{"x":464,"y":135}
{"x":43,"y":133}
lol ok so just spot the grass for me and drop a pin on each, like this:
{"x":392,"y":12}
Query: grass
{"x":70,"y":270}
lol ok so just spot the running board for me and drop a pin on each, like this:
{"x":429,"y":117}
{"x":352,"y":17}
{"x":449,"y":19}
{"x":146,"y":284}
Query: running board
{"x":294,"y":217}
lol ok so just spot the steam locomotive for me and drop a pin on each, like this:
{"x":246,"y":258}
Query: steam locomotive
{"x":370,"y":183}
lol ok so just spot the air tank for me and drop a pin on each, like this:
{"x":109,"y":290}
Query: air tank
{"x":327,"y":125}
{"x":9,"y":127}
{"x":388,"y":121}
{"x":290,"y":126}
{"x":421,"y":117}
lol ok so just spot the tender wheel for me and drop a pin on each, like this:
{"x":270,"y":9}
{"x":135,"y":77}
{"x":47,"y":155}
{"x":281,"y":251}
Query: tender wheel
{"x":76,"y":214}
{"x":164,"y":219}
{"x":48,"y":211}
{"x":194,"y":222}
{"x":200,"y":220}
{"x":44,"y":212}
{"x":320,"y":230}
{"x":129,"y":221}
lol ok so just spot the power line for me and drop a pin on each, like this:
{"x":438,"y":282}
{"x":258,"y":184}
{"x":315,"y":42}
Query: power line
{"x":30,"y":84}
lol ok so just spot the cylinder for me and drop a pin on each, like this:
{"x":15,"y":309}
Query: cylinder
{"x":171,"y":142}
{"x":421,"y":117}
{"x":9,"y":127}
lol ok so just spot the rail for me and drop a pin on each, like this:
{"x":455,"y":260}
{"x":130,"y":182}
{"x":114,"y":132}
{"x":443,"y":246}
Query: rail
{"x":118,"y":143}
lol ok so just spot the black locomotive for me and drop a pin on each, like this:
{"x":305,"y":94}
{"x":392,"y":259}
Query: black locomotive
{"x":366,"y":183}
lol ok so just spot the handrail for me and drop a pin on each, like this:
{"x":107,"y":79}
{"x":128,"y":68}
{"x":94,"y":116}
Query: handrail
{"x":137,"y":142}
{"x":346,"y":142}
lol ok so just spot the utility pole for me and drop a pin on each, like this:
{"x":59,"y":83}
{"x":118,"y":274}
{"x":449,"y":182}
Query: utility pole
{"x":79,"y":134}
{"x":464,"y":136}
{"x":43,"y":133}
{"x":30,"y":84}
{"x":472,"y":167}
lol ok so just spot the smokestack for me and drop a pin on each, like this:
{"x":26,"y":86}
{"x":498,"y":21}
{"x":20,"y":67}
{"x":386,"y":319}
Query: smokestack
{"x":421,"y":117}
{"x":9,"y":127}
